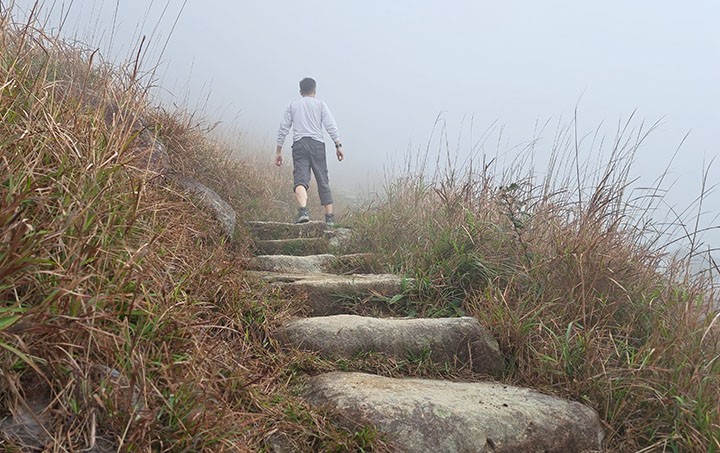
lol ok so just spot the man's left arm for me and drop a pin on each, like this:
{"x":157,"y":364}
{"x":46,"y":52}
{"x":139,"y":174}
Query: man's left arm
{"x":330,"y":126}
{"x":339,"y":152}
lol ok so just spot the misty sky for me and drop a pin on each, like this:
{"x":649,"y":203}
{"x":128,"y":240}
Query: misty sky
{"x":387,"y":69}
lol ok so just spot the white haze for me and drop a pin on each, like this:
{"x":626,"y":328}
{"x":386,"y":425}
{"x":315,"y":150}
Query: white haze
{"x":389,"y":69}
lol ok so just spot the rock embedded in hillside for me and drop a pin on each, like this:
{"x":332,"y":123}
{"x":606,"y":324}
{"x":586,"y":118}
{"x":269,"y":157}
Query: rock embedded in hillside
{"x":421,"y":415}
{"x":209,"y":199}
{"x":147,"y":151}
{"x":33,"y":421}
{"x":459,"y":342}
{"x":280,"y":442}
{"x":330,"y":294}
{"x":266,"y":231}
{"x":29,"y":423}
{"x":150,"y":154}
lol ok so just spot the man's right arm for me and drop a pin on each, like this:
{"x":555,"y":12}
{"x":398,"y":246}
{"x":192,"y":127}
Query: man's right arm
{"x":278,"y":156}
{"x":284,"y":130}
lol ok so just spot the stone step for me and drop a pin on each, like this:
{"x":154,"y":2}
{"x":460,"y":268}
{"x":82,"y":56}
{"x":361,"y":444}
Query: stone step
{"x":459,"y":342}
{"x":293,"y":247}
{"x":292,"y":264}
{"x":330,"y":294}
{"x":354,"y":263}
{"x":421,"y":415}
{"x":265,"y":231}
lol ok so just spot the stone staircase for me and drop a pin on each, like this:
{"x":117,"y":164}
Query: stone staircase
{"x":416,"y":415}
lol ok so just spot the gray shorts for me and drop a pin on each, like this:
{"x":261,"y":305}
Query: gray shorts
{"x":309,"y":155}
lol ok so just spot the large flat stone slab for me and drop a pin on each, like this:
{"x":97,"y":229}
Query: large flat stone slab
{"x":459,"y":342}
{"x":330,"y":294}
{"x":356,"y":263}
{"x":281,"y":230}
{"x":294,"y":247}
{"x":292,"y":264}
{"x":440,"y":416}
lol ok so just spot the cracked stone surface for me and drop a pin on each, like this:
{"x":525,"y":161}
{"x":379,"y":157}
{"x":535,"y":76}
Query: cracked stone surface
{"x":440,"y":416}
{"x":458,"y":342}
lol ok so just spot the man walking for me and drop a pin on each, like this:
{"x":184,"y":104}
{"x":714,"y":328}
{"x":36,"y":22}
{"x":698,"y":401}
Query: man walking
{"x":308,"y":116}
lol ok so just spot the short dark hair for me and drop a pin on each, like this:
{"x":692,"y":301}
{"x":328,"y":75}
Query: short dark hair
{"x":307,"y":85}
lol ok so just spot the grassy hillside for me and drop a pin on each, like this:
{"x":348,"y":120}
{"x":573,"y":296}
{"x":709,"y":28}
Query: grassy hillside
{"x":125,"y":311}
{"x":573,"y":276}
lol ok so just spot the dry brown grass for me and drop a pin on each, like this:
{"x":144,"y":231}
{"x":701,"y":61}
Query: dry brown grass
{"x":571,"y":275}
{"x":124,"y":313}
{"x":127,"y":315}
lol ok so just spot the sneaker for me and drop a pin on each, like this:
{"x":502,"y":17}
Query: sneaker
{"x":303,"y":215}
{"x":330,"y":219}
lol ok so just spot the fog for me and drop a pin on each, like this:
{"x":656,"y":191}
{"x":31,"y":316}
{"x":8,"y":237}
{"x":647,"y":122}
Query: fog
{"x":388,"y":70}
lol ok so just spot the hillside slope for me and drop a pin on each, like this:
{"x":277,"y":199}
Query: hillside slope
{"x":128,"y":320}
